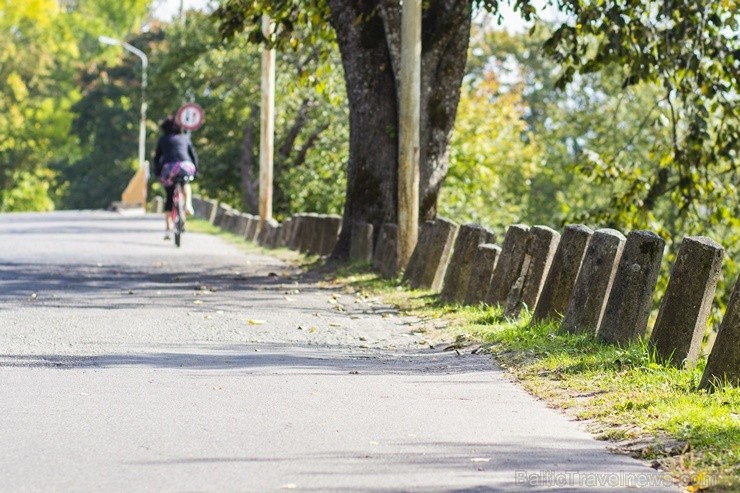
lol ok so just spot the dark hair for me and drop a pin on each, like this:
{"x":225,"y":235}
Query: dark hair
{"x":169,"y":126}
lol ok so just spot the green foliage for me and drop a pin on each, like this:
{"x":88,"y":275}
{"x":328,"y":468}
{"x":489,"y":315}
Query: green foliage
{"x":594,"y":140}
{"x":492,"y":158}
{"x":690,"y":51}
{"x":625,"y":393}
{"x":311,"y":121}
{"x":42,"y":47}
{"x":295,"y":22}
{"x":30,"y":193}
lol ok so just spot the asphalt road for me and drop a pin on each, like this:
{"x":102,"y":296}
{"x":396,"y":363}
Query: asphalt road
{"x":129,"y":365}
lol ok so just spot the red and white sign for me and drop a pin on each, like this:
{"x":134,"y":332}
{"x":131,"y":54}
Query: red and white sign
{"x":190,"y":116}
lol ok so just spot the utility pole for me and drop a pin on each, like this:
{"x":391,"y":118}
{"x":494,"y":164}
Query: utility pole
{"x":408,"y":165}
{"x":267,"y":124}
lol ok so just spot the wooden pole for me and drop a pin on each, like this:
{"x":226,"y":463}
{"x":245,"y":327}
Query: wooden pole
{"x":408,"y":166}
{"x":267,"y":124}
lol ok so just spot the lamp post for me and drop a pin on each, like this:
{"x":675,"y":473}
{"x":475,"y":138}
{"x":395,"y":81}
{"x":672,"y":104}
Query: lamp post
{"x":142,"y":121}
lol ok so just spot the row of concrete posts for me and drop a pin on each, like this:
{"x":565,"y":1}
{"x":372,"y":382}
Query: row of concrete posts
{"x":589,"y":281}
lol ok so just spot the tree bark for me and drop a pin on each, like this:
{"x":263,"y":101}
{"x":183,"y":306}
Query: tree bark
{"x":373,"y":117}
{"x":250,"y":193}
{"x":368,"y":34}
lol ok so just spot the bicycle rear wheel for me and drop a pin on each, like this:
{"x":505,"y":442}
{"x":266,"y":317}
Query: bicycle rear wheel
{"x":179,"y":206}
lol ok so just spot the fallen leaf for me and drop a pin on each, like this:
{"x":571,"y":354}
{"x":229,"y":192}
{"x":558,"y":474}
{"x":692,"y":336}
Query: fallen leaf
{"x":335,"y":324}
{"x":198,"y":302}
{"x":252,"y":321}
{"x":311,"y":329}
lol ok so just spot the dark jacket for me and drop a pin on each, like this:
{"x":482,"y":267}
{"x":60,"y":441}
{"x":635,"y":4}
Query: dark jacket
{"x":171,"y":148}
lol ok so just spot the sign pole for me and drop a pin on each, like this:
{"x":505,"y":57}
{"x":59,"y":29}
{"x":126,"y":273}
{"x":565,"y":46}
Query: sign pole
{"x":267,"y":127}
{"x":408,"y":162}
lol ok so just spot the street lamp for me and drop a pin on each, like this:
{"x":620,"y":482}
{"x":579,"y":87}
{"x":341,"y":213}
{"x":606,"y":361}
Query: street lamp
{"x":142,"y":122}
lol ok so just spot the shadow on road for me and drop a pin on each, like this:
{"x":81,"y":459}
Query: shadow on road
{"x":270,"y":358}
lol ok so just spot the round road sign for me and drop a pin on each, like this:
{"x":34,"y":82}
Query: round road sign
{"x":190,"y":116}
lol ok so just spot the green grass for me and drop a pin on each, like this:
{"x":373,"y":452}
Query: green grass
{"x":289,"y":256}
{"x":627,"y":394}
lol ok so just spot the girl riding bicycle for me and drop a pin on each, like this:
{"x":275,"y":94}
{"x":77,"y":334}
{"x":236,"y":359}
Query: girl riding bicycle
{"x":174,"y":159}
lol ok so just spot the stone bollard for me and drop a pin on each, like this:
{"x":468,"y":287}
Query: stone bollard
{"x":463,"y":257}
{"x":158,"y":204}
{"x":227,"y":220}
{"x":221,"y":211}
{"x":285,"y":230}
{"x":309,"y":230}
{"x":361,"y":243}
{"x":724,"y":361}
{"x":543,"y":243}
{"x":419,"y":254}
{"x":386,"y":257}
{"x":272,"y":237}
{"x":436,"y":256}
{"x":269,"y":227}
{"x":630,"y":300}
{"x":298,"y":225}
{"x":250,"y":233}
{"x":242,"y":222}
{"x":480,"y":277}
{"x":594,"y":282}
{"x":331,"y":227}
{"x":212,"y":209}
{"x":198,"y":207}
{"x":232,"y":225}
{"x":684,"y":311}
{"x":317,"y":235}
{"x":509,"y":266}
{"x":563,"y":273}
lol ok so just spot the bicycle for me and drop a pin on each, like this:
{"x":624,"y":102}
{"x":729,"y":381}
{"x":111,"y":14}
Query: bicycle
{"x":178,"y":208}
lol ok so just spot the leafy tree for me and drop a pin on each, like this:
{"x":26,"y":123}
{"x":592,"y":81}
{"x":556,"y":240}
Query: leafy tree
{"x":492,"y":154}
{"x":685,"y":45}
{"x":690,"y":49}
{"x":192,"y":63}
{"x":42,"y":46}
{"x":106,"y":125}
{"x":35,"y":52}
{"x":594,"y":137}
{"x":368,"y":35}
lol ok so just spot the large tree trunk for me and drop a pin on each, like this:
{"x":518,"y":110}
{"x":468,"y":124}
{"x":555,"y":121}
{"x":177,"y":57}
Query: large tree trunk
{"x":250,"y":193}
{"x":368,"y":34}
{"x":373,"y":117}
